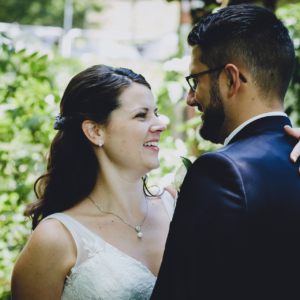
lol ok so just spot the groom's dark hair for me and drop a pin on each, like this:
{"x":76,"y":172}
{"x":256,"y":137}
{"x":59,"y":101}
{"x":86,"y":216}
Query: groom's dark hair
{"x":252,"y":36}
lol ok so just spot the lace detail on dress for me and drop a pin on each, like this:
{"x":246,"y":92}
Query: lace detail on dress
{"x":102,"y":272}
{"x":109,"y":274}
{"x":91,"y":247}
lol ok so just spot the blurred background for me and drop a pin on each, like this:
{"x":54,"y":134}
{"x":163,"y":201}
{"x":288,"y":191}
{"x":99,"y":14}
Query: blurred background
{"x":44,"y":43}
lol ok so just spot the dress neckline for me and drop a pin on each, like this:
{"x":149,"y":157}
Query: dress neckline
{"x":110,"y":245}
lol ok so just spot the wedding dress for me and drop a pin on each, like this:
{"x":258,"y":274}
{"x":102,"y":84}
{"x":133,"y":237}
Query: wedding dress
{"x":101,"y":271}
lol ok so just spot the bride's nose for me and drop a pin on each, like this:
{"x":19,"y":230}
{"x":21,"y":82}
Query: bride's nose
{"x":158,"y":125}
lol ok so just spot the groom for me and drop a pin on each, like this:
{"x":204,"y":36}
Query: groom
{"x":236,"y":229}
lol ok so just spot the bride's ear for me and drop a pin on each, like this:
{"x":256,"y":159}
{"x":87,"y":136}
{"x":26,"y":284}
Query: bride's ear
{"x":93,"y":132}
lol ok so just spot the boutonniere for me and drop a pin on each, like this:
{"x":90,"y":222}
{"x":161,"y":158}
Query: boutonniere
{"x":179,"y":176}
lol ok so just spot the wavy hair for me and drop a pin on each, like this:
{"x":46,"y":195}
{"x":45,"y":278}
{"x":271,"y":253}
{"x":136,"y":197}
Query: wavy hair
{"x":72,"y":164}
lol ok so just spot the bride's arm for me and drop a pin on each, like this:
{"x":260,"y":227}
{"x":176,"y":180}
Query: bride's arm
{"x":43,"y":264}
{"x":295,"y":132}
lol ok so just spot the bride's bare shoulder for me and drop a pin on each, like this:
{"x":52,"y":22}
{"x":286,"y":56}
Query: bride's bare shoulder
{"x":50,"y":240}
{"x":44,"y":262}
{"x":52,"y":231}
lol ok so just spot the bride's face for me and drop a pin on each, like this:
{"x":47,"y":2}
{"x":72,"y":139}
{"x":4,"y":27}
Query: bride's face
{"x":132,"y":136}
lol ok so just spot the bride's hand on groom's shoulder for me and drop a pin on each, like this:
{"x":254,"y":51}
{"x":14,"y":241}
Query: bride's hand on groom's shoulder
{"x":295,"y":132}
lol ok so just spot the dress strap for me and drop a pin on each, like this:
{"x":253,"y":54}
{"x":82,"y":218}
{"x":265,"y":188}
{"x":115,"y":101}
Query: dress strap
{"x":168,"y":202}
{"x":77,"y":231}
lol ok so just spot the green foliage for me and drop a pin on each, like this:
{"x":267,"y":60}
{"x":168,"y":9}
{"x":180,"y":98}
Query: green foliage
{"x":44,"y":12}
{"x":187,"y":163}
{"x":30,"y":87}
{"x":29,"y":100}
{"x":290,"y":15}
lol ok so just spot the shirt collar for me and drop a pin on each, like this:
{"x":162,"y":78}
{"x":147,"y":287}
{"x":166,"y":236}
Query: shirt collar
{"x":238,"y":129}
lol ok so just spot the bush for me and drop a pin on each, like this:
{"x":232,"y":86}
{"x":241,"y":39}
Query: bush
{"x":29,"y":99}
{"x":290,"y":15}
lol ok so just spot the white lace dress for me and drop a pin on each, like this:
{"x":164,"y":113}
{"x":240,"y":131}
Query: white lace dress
{"x":102,"y":271}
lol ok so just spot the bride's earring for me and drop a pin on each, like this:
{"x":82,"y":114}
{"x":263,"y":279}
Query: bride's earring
{"x":100,"y":143}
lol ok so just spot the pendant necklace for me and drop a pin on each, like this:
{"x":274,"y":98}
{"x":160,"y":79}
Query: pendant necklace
{"x":137,"y":228}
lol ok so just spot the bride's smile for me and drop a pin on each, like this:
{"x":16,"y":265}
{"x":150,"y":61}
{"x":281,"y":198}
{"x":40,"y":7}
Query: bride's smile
{"x":130,"y":141}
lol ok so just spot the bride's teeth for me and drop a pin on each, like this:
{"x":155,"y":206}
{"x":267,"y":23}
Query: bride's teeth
{"x":155,"y":144}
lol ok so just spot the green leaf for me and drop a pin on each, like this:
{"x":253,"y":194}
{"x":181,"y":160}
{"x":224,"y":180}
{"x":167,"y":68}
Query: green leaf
{"x":195,"y":121}
{"x":187,"y":163}
{"x":21,"y":52}
{"x":4,"y":35}
{"x":33,"y":55}
{"x":43,"y":57}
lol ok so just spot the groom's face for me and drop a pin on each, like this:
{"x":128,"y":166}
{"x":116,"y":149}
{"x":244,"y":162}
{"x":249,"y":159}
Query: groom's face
{"x":207,"y":98}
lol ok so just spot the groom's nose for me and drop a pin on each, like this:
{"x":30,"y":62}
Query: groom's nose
{"x":190,"y":99}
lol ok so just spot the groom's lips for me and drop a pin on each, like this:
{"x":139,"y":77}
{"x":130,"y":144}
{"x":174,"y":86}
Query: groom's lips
{"x":201,"y":110}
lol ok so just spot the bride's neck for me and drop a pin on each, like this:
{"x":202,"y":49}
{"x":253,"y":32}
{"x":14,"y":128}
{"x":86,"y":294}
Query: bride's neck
{"x":119,"y":193}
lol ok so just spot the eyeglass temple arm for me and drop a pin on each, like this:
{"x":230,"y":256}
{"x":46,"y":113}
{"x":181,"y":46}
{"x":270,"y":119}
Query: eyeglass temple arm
{"x":243,"y":78}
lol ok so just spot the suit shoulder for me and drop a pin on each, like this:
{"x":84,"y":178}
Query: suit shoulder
{"x":218,"y":166}
{"x":214,"y":157}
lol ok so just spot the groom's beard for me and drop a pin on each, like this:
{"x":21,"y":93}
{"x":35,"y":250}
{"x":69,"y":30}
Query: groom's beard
{"x":214,"y":115}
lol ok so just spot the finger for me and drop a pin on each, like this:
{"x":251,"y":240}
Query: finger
{"x":294,"y":132}
{"x":171,"y":190}
{"x":295,"y":153}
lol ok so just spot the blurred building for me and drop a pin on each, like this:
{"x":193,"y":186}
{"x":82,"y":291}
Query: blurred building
{"x":130,"y":30}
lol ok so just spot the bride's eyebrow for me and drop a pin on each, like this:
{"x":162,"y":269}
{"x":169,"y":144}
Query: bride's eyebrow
{"x":146,"y":108}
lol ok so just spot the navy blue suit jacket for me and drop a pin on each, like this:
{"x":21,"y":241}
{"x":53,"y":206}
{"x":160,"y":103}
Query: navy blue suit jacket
{"x":236,"y":228}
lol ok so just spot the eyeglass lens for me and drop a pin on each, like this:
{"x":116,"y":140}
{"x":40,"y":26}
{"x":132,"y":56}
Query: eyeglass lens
{"x":193,"y":84}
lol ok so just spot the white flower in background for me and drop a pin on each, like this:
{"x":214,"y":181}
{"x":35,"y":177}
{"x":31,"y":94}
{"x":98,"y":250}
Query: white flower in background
{"x":50,"y":99}
{"x":164,"y":119}
{"x":177,"y":64}
{"x":175,"y":91}
{"x":179,"y":177}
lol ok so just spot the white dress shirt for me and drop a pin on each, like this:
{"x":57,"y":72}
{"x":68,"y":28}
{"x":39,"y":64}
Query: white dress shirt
{"x":238,"y":129}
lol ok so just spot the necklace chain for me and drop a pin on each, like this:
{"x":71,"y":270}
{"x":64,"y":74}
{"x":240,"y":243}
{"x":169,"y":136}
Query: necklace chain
{"x":137,"y":228}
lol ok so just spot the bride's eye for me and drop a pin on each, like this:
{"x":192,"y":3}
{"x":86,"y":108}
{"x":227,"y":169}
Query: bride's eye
{"x":141,"y":115}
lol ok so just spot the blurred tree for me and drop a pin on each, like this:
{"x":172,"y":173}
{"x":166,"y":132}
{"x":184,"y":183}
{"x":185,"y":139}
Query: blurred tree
{"x":30,"y":86}
{"x":202,"y":8}
{"x":44,"y":12}
{"x":29,"y":97}
{"x":290,"y":14}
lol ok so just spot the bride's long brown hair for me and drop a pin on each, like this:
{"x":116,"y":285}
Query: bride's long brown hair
{"x":72,"y":164}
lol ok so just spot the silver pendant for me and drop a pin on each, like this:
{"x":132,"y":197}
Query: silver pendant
{"x":138,"y":229}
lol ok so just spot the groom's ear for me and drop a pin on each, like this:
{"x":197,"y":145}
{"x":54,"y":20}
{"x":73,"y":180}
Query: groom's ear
{"x":232,"y":79}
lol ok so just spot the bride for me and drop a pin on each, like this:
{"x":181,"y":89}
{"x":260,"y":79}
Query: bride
{"x":98,"y":232}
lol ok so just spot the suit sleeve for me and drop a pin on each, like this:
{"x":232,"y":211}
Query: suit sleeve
{"x":206,"y":241}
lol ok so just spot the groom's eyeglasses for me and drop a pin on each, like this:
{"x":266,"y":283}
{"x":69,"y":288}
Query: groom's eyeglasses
{"x":192,"y":78}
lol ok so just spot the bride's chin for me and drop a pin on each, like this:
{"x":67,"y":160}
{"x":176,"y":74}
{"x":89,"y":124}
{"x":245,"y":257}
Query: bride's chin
{"x":153,"y":166}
